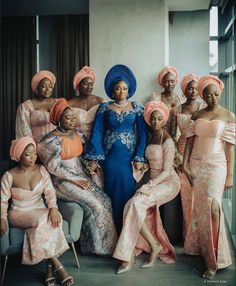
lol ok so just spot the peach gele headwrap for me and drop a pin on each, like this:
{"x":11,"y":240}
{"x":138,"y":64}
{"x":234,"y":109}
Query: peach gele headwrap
{"x":18,"y":146}
{"x":155,"y":105}
{"x":164,"y":71}
{"x":39,"y":76}
{"x":57,"y":109}
{"x":83,"y":73}
{"x":209,"y":79}
{"x":186,"y":80}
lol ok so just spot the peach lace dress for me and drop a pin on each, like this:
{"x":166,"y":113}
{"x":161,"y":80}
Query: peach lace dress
{"x":163,"y":186}
{"x":183,"y":121}
{"x":32,"y":122}
{"x":85,"y":118}
{"x":27,"y":210}
{"x":208,"y":165}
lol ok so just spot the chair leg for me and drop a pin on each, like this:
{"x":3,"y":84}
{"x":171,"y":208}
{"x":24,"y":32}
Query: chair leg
{"x":75,"y":254}
{"x":4,"y":267}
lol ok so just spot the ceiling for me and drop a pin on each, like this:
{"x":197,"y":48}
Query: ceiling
{"x":44,"y":7}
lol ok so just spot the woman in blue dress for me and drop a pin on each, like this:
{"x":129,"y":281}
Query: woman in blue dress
{"x":118,"y":139}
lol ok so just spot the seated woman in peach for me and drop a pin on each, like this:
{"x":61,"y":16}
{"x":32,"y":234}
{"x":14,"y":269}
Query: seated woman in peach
{"x":168,"y":78}
{"x":193,"y":103}
{"x":32,"y":116}
{"x":60,"y":151}
{"x":210,"y":171}
{"x":142,"y":226}
{"x":85,"y":104}
{"x":25,"y":184}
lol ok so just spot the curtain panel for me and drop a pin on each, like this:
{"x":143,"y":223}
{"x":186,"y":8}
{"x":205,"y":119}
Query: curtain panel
{"x":18,"y":64}
{"x":70,"y":51}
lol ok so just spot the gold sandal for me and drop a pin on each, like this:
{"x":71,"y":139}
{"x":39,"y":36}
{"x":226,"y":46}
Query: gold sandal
{"x":50,"y":281}
{"x":68,"y":281}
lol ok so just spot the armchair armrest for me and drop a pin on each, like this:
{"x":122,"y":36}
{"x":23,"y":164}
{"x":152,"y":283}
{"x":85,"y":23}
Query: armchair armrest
{"x":73,"y":214}
{"x":5,"y":241}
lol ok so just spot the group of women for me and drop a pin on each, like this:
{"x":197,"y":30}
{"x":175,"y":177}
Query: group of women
{"x":96,"y":150}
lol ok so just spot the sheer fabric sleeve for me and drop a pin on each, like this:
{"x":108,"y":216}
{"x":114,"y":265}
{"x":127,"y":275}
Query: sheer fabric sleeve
{"x":142,"y":135}
{"x":6,"y":184}
{"x":23,"y":126}
{"x":49,"y":151}
{"x":49,"y":191}
{"x":169,"y":154}
{"x":94,"y":149}
{"x":229,"y":133}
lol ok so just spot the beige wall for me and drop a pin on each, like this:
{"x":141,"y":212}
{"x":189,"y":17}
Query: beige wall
{"x":131,"y":33}
{"x":136,"y":33}
{"x":189,"y":42}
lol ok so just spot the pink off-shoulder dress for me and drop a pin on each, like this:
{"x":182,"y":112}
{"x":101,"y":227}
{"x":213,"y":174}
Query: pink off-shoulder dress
{"x":209,"y":168}
{"x":28,"y":211}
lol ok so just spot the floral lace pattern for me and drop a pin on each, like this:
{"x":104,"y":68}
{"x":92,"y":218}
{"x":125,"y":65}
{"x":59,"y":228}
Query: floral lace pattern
{"x":127,"y":138}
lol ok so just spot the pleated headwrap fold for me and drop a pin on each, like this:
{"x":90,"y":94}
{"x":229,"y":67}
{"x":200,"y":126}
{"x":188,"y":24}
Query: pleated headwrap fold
{"x":209,"y":79}
{"x":39,"y":76}
{"x":120,"y":73}
{"x":166,"y":70}
{"x":57,"y":110}
{"x":186,"y":80}
{"x":83,"y":73}
{"x":155,"y":105}
{"x":18,"y":146}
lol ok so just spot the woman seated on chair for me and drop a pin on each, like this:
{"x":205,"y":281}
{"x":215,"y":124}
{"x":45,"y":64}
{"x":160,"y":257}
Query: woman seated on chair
{"x":25,"y":184}
{"x":60,"y":151}
{"x":142,"y":226}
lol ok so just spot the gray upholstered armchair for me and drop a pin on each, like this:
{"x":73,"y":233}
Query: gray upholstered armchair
{"x":12,"y":241}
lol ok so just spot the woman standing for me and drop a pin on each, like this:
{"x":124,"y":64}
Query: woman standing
{"x":168,"y":78}
{"x":118,"y":138}
{"x":25,"y":184}
{"x":60,"y":151}
{"x":193,"y":103}
{"x":142,"y":229}
{"x":210,"y":171}
{"x":85,"y":104}
{"x":32,"y":116}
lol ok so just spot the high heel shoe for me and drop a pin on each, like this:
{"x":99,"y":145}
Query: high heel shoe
{"x":156,"y":249}
{"x":209,"y":274}
{"x":68,"y":280}
{"x":126,"y":266}
{"x":50,"y":278}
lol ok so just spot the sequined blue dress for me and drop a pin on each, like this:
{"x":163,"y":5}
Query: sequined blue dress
{"x":115,"y":141}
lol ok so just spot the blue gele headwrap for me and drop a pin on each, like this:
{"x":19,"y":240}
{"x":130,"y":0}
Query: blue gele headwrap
{"x":116,"y":74}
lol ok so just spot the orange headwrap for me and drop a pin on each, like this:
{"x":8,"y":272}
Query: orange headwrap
{"x":39,"y":76}
{"x":18,"y":146}
{"x":164,"y":71}
{"x":83,"y":73}
{"x":209,"y":79}
{"x":155,"y":105}
{"x":186,"y":80}
{"x":56,"y":111}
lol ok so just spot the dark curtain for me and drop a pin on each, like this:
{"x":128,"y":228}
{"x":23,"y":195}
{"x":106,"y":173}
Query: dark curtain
{"x":18,"y":64}
{"x":70,"y":51}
